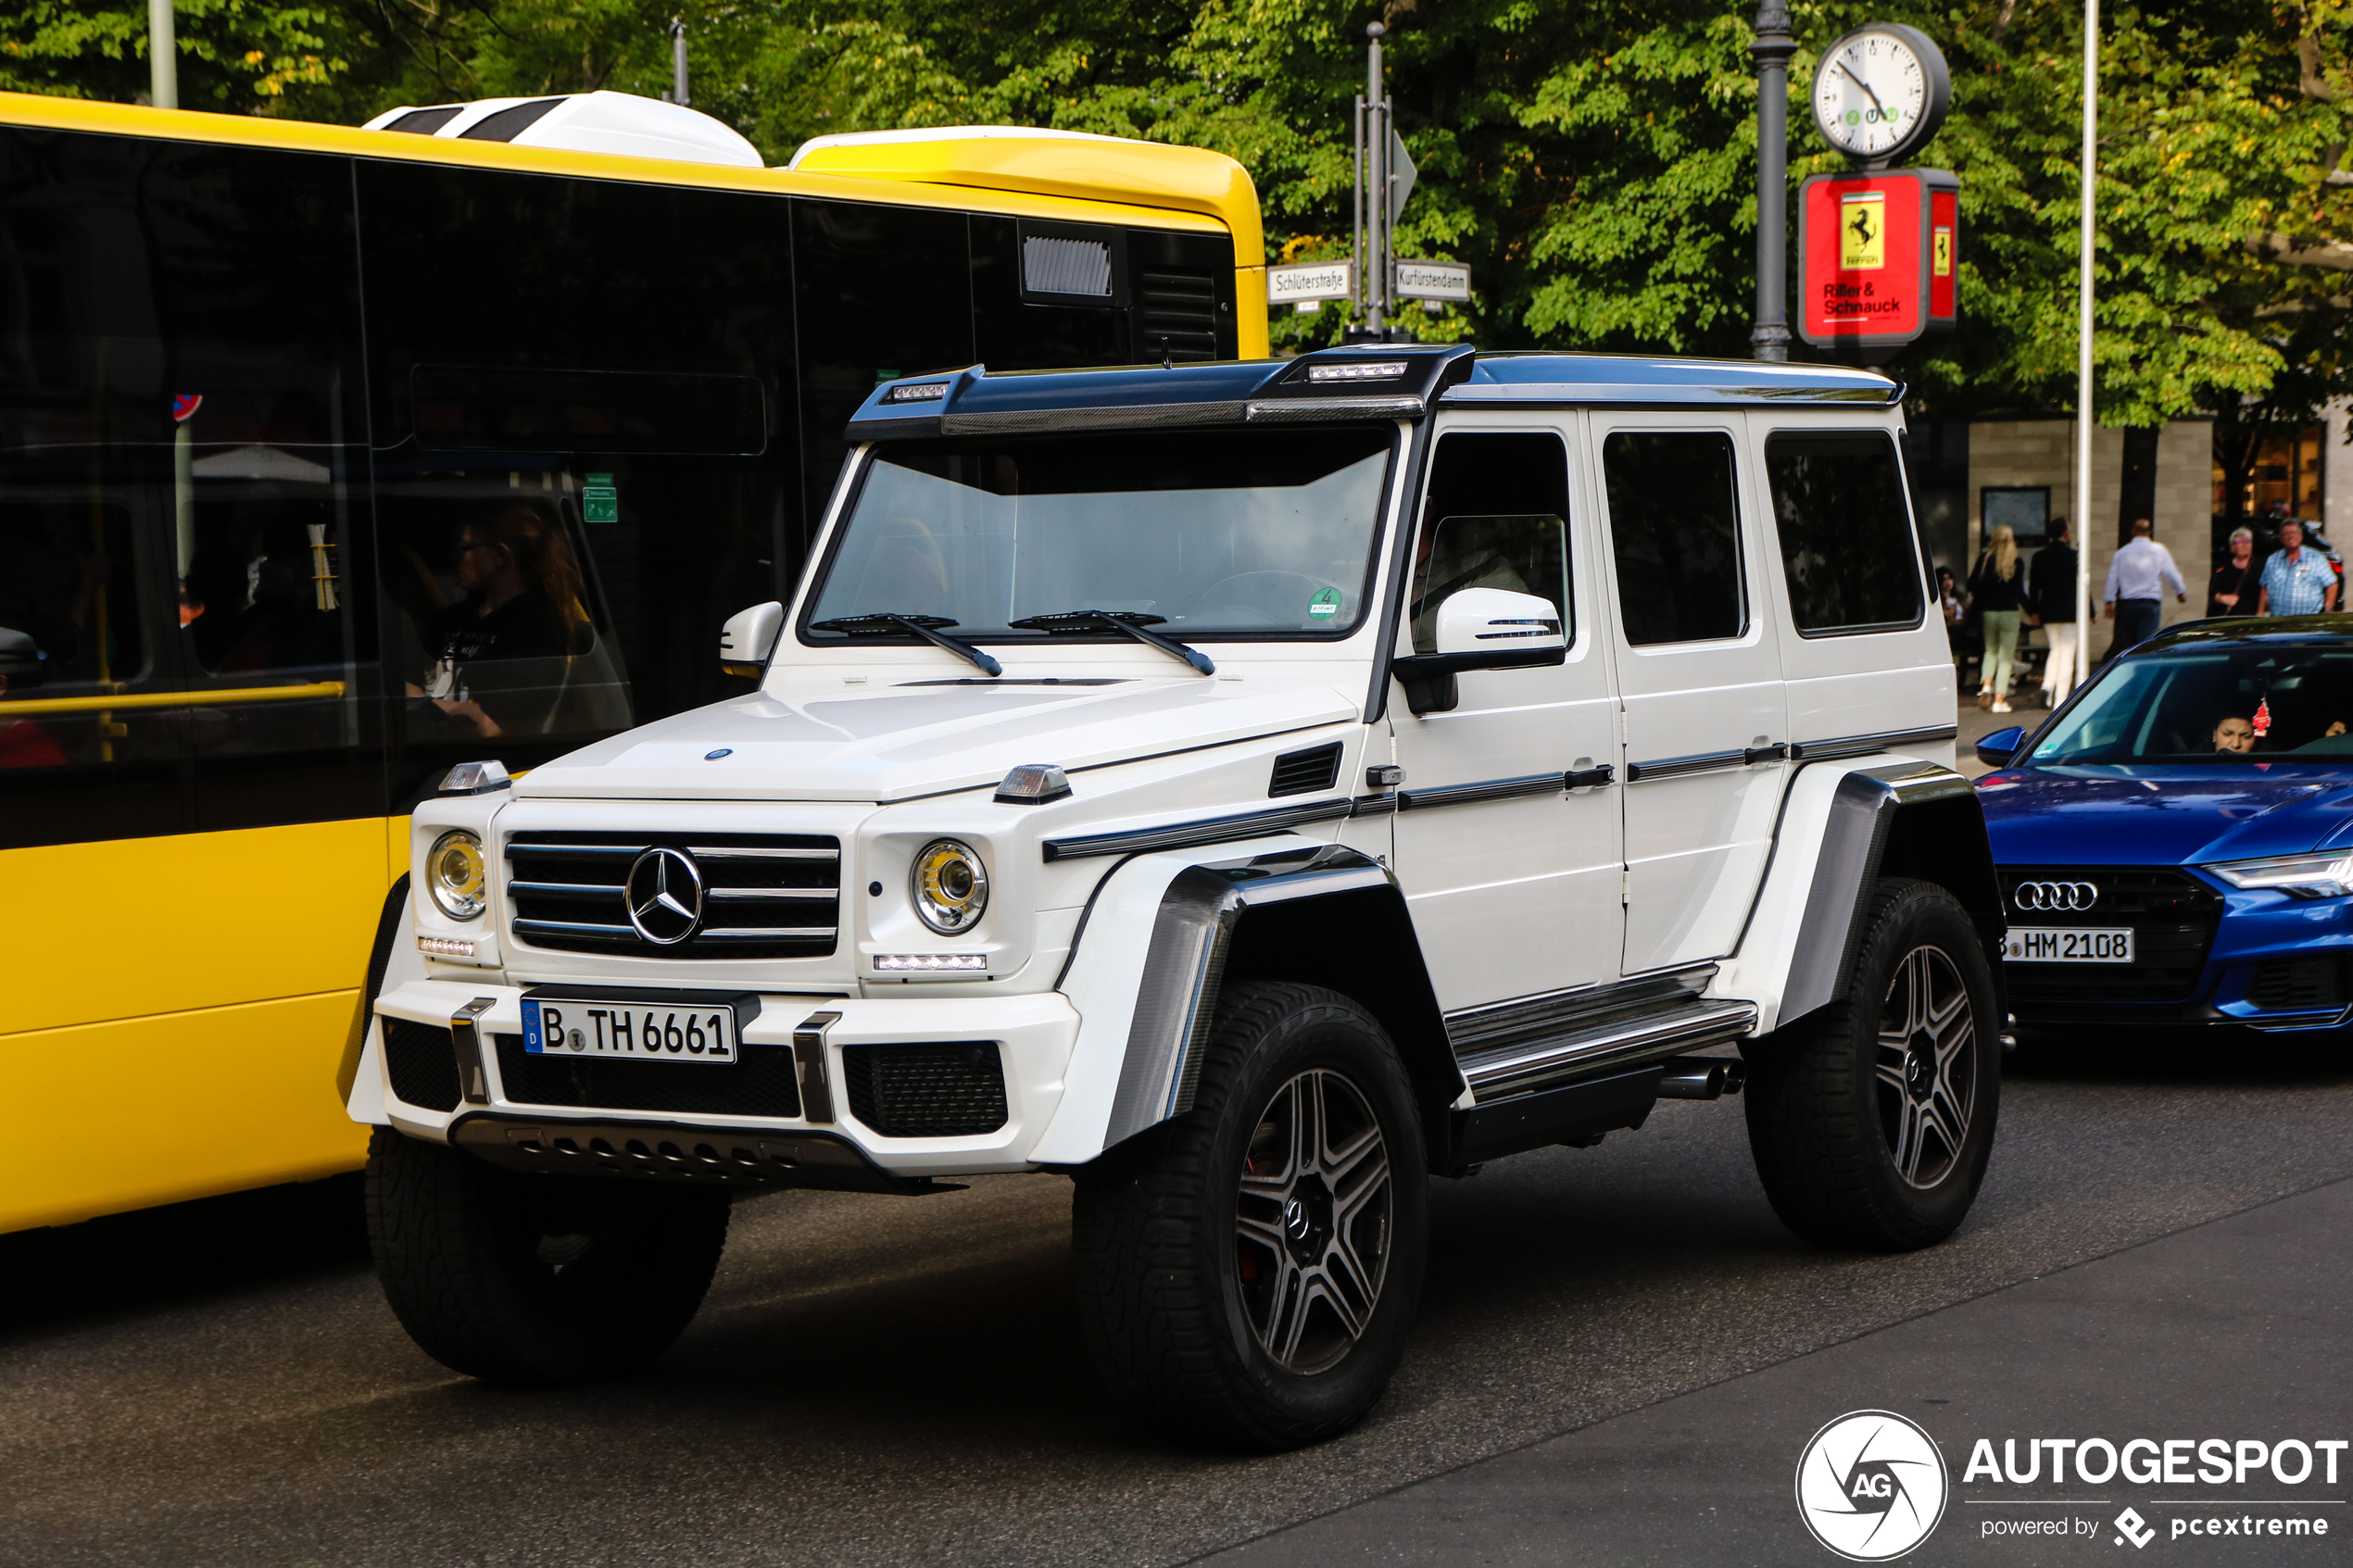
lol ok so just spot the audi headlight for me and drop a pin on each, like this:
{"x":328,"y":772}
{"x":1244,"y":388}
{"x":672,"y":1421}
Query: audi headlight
{"x":455,"y":874}
{"x":949,"y":886}
{"x":2328,"y":875}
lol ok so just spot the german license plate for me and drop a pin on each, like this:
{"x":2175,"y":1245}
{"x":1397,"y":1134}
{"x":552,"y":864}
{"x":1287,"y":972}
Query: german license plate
{"x":632,"y":1031}
{"x":2068,"y":943}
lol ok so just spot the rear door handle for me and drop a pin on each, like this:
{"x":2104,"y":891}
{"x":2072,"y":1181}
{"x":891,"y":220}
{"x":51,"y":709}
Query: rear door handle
{"x":1589,"y":778}
{"x":1777,"y":751}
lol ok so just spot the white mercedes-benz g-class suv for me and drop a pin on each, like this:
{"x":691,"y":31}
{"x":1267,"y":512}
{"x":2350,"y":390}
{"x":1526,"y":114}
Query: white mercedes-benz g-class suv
{"x":1249,"y":790}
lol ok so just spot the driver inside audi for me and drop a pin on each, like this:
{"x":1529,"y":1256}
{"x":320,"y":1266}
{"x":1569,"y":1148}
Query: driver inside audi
{"x":2234,"y":735}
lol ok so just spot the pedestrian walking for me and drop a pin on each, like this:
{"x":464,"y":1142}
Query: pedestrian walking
{"x":2298,"y":580}
{"x":2136,"y":581}
{"x":2052,"y":594}
{"x":1997,"y":589}
{"x":2237,"y":582}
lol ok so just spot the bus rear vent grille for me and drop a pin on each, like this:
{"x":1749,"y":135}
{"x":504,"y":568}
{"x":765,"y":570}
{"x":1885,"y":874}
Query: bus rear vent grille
{"x":1305,"y":772}
{"x":1176,"y":315}
{"x":949,"y":1091}
{"x":424,"y":1063}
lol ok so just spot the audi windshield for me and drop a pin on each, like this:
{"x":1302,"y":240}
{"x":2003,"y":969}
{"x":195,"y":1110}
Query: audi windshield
{"x":1226,"y":534}
{"x":2203,"y":703}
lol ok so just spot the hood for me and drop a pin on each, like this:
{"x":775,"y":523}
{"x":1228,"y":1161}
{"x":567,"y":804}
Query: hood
{"x":2164,"y":816}
{"x":889,"y":742}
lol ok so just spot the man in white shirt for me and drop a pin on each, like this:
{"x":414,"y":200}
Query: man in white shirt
{"x":2135,"y":577}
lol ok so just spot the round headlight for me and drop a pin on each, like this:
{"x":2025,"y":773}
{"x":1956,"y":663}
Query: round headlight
{"x":454,"y":872}
{"x":949,"y":886}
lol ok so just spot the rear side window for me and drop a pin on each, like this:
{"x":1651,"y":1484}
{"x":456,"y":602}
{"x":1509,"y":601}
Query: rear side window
{"x":1673,"y":525}
{"x":1846,"y":535}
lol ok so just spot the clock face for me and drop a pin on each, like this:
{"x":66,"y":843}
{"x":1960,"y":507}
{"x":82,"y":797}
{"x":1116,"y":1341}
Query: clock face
{"x":1871,"y":93}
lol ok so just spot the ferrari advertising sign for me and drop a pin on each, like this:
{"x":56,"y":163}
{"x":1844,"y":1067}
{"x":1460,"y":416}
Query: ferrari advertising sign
{"x":1876,"y":258}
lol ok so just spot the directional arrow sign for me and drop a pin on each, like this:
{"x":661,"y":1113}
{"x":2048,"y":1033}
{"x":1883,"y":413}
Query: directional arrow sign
{"x":1400,"y":177}
{"x":1433,"y":280}
{"x":1312,"y":280}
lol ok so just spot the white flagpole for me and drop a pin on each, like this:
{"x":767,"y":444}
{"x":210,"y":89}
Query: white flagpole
{"x":2083,"y":350}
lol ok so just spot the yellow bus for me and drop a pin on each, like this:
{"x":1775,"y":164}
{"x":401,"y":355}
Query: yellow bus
{"x":332,"y":457}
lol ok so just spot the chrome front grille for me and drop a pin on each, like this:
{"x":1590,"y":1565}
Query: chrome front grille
{"x":760,"y":895}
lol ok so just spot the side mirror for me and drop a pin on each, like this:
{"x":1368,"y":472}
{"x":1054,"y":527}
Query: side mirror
{"x":749,"y":637}
{"x":1996,"y":749}
{"x":1481,"y":629}
{"x":1495,"y":620}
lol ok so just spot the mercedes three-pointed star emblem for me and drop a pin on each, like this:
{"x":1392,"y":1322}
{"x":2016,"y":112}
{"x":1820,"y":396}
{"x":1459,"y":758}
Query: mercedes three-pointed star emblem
{"x":665,"y":895}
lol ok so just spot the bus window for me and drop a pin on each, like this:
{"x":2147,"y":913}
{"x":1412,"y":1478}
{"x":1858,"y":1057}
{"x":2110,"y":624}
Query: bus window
{"x":590,"y":461}
{"x":884,"y":292}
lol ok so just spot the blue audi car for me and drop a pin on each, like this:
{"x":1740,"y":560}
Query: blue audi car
{"x":2175,"y":844}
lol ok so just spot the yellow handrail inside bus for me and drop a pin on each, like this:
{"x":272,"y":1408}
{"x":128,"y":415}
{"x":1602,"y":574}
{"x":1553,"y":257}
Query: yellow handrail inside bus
{"x":27,"y":706}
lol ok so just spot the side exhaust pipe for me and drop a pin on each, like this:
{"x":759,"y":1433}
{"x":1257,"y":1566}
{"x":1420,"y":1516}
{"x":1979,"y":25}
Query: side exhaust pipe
{"x":1702,"y":1077}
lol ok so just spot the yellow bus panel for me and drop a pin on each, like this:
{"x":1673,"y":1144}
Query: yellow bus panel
{"x":225,"y":1098}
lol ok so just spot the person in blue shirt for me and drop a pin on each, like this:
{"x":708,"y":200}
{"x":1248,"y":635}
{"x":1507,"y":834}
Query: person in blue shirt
{"x":2296,"y":580}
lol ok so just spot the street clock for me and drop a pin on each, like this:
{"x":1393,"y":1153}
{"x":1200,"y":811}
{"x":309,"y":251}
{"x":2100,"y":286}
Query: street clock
{"x":1880,"y":91}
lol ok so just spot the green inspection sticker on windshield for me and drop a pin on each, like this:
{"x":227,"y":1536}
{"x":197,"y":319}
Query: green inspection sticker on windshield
{"x":1323,"y":606}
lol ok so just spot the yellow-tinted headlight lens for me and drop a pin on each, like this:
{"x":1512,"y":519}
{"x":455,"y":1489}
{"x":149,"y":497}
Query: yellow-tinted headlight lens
{"x":455,"y":874}
{"x":949,"y":886}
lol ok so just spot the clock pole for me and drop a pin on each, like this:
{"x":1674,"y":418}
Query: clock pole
{"x":1769,"y":339}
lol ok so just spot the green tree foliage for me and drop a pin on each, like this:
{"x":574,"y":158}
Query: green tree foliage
{"x":1594,"y":163}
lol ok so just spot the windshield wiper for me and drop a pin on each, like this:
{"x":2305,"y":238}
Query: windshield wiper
{"x":1132,"y":623}
{"x":882,"y":623}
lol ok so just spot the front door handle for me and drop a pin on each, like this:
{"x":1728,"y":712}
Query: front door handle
{"x":1589,"y":778}
{"x":1775,"y":752}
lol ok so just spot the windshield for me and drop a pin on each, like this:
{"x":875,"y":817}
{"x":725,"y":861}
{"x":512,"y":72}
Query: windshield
{"x":2211,"y":704}
{"x":1234,"y":533}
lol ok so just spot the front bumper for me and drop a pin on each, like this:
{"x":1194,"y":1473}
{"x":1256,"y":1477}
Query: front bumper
{"x":790,"y":1110}
{"x":2275,"y":962}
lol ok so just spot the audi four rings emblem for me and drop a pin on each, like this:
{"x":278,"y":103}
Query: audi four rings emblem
{"x":2043,"y":897}
{"x":665,"y":895}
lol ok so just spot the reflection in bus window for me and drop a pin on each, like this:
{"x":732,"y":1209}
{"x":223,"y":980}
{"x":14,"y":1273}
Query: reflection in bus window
{"x":501,"y":641}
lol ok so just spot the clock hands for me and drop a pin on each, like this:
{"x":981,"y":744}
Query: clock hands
{"x":1867,"y":88}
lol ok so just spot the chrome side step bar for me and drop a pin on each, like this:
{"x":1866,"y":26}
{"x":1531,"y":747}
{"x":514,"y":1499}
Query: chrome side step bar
{"x":1623,"y":1042}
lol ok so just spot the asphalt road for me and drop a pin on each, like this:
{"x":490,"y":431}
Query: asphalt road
{"x":888,"y":1380}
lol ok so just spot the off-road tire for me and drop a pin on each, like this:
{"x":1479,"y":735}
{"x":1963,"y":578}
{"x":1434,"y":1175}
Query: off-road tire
{"x":1160,"y":1259}
{"x":540,"y":1281}
{"x":1826,"y":1118}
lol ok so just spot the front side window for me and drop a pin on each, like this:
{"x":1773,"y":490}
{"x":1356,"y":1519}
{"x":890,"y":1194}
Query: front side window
{"x":1847,"y":548}
{"x":1496,"y":517}
{"x":2211,"y":704}
{"x":1226,"y":534}
{"x":1674,"y":527}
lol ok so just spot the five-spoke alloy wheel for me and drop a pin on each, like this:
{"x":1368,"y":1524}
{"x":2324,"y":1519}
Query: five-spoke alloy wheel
{"x":1312,"y":1224}
{"x":1247,"y":1270}
{"x":1872,"y":1119}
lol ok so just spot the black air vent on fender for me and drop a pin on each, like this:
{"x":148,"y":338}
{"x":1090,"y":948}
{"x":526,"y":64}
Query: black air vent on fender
{"x":1304,"y":772}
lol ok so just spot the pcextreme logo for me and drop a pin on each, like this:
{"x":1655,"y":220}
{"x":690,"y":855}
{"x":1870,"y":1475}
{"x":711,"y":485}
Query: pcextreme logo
{"x":1871,"y":1486}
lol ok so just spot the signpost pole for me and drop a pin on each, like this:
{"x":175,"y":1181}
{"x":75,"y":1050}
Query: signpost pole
{"x":678,"y":61}
{"x":2084,"y":410}
{"x":1375,"y":186}
{"x":163,"y":56}
{"x":1769,"y":339}
{"x":1359,"y":295}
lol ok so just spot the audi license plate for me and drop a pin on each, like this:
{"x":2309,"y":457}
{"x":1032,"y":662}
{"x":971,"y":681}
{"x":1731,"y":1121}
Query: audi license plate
{"x":2068,"y":943}
{"x":636,"y":1030}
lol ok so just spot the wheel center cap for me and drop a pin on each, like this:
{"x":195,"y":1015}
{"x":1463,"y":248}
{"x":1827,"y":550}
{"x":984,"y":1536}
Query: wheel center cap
{"x":1919,"y":1066}
{"x":1307,"y":1221}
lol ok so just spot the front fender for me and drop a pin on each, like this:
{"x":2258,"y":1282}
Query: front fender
{"x":1157,"y":943}
{"x":1844,"y":826}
